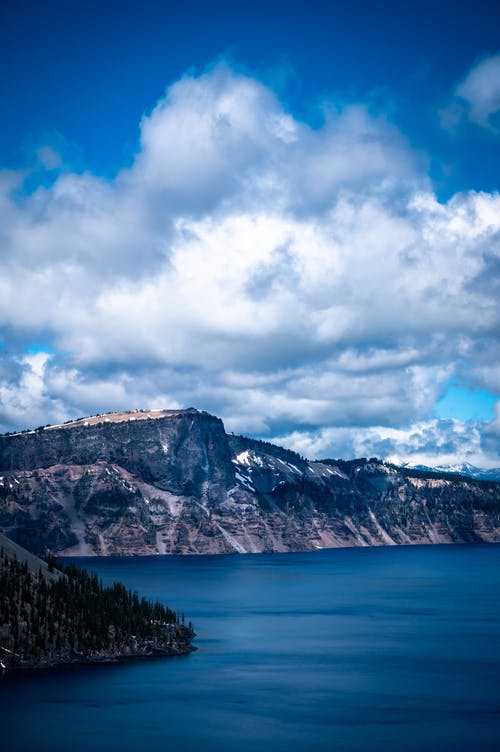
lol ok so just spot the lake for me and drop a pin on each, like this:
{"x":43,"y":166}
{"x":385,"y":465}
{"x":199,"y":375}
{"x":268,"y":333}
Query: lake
{"x":389,"y":649}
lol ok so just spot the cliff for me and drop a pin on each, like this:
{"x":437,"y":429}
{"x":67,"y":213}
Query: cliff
{"x":173,"y":481}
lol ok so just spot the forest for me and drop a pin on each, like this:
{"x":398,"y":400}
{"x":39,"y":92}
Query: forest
{"x":67,"y":615}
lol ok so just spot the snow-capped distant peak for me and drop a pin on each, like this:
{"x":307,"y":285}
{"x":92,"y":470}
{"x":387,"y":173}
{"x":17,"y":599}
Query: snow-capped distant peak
{"x":460,"y":468}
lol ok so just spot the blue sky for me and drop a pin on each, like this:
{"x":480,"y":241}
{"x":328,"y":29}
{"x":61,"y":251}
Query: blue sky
{"x":82,"y":73}
{"x":289,"y":218}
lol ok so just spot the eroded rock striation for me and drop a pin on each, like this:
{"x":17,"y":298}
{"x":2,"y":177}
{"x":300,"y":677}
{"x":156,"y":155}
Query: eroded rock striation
{"x":173,"y":482}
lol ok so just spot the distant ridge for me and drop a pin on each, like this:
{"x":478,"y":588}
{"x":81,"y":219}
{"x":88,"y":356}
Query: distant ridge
{"x":466,"y":469}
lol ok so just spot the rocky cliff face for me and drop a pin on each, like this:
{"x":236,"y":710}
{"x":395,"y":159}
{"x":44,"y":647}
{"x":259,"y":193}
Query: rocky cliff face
{"x":174,"y":482}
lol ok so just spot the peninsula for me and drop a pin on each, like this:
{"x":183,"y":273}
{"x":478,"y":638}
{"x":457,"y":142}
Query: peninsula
{"x":52,"y":614}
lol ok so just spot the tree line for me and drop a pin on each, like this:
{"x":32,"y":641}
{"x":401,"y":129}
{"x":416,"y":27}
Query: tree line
{"x":71,"y":612}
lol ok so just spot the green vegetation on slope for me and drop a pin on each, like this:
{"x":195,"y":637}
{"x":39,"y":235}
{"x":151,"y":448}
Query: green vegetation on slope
{"x":74,"y":618}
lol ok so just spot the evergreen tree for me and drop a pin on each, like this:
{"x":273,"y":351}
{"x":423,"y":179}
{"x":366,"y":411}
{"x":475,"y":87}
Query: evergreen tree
{"x":48,"y":619}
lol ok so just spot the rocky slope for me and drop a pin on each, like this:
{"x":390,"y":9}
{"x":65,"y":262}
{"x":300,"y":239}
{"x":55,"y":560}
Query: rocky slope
{"x":175,"y":482}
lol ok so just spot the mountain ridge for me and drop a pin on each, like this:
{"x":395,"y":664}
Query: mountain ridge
{"x":460,"y":468}
{"x":175,"y":482}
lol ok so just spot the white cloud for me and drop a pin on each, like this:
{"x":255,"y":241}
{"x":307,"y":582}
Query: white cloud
{"x":278,"y":275}
{"x":23,"y":392}
{"x":49,"y":157}
{"x":431,"y":443}
{"x":481,"y":90}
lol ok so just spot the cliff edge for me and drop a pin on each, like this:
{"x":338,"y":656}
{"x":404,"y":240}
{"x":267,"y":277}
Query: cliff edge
{"x":173,"y":482}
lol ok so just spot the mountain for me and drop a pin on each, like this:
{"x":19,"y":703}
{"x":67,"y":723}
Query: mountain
{"x":464,"y":468}
{"x":173,"y":481}
{"x":50,"y":617}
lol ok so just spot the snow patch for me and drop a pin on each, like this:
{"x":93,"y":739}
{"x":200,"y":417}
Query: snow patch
{"x":244,"y":481}
{"x":334,"y":472}
{"x":243,"y":458}
{"x":248,"y":457}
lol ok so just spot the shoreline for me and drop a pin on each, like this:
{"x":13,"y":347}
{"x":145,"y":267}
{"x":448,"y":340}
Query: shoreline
{"x":147,"y":651}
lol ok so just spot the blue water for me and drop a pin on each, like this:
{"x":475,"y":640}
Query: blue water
{"x":355,"y":649}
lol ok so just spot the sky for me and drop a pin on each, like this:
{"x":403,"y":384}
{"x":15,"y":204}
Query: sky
{"x":286,"y":215}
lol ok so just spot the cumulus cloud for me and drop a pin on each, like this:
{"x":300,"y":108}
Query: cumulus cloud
{"x":477,"y":96}
{"x":481,"y":90}
{"x":431,"y":443}
{"x":49,"y":158}
{"x":288,"y":278}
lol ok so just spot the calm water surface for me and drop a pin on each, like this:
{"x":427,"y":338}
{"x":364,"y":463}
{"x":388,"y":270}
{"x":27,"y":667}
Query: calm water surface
{"x":354,"y":649}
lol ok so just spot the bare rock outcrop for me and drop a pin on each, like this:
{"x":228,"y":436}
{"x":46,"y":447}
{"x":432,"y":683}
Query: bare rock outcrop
{"x":173,"y":481}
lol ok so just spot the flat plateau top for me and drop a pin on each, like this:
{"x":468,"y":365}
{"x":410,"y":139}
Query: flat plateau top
{"x":117,"y":417}
{"x":122,"y":417}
